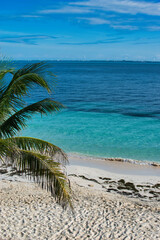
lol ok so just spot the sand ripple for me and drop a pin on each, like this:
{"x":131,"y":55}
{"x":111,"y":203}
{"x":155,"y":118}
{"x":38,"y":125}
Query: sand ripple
{"x":27,"y":212}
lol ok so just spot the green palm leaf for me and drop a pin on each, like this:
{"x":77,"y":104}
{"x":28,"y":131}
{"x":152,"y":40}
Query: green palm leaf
{"x":36,"y":158}
{"x":23,"y":80}
{"x":47,"y":173}
{"x":39,"y":146}
{"x":8,"y":149}
{"x":4,"y":72}
{"x":18,"y":120}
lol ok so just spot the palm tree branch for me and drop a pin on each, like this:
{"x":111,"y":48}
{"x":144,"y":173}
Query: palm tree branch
{"x":23,"y":80}
{"x":4,"y":72}
{"x":47,"y":173}
{"x":34,"y":157}
{"x":18,"y":120}
{"x":2,"y":75}
{"x":39,"y":146}
{"x":8,"y":149}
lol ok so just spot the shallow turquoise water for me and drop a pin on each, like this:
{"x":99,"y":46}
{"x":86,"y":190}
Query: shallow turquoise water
{"x":105,"y":135}
{"x":113,"y":110}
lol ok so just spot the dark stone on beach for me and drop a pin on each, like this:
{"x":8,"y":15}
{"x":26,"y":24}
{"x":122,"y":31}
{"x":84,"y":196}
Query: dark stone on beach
{"x":112,"y":189}
{"x":104,"y":178}
{"x":108,"y":182}
{"x":82,"y":176}
{"x":3,"y":171}
{"x":152,"y":192}
{"x":126,"y":193}
{"x":89,"y":179}
{"x":142,"y":186}
{"x":156,"y":194}
{"x":121,"y":181}
{"x":74,"y":175}
{"x":121,"y":187}
{"x":131,"y":186}
{"x":138,"y":195}
{"x":156,"y":185}
{"x":151,"y":197}
{"x":127,"y":185}
{"x":154,"y":164}
{"x":114,"y":159}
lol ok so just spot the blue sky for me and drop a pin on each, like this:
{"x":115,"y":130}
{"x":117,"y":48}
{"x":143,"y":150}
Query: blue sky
{"x":80,"y":30}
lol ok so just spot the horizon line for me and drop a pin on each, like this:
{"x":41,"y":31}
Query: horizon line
{"x":94,"y":60}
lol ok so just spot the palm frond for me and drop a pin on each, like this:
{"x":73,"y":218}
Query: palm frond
{"x":23,"y":80}
{"x":39,"y":146}
{"x":47,"y":173}
{"x":8,"y":149}
{"x":6,"y":67}
{"x":38,"y":68}
{"x":5,"y":71}
{"x":36,"y":158}
{"x":18,"y":120}
{"x":32,"y":74}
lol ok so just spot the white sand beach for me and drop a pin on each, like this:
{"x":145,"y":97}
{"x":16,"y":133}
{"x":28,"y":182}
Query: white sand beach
{"x":112,"y":200}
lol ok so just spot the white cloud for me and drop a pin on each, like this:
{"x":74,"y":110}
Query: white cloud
{"x":67,"y":9}
{"x":95,"y":21}
{"x":122,"y":6}
{"x":100,"y":21}
{"x":30,"y":16}
{"x":154,"y":28}
{"x":97,"y":8}
{"x":26,"y":39}
{"x":128,"y":27}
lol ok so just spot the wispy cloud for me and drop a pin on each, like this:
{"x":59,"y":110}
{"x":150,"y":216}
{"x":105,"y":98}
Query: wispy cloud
{"x":30,"y":16}
{"x":98,"y":12}
{"x":116,"y":40}
{"x":153,"y":28}
{"x":95,"y":21}
{"x":66,"y":10}
{"x":122,"y":6}
{"x":26,"y":39}
{"x":113,"y":24}
{"x":125,"y":27}
{"x":105,"y":41}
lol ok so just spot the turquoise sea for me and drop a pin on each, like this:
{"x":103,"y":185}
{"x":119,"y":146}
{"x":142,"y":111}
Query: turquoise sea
{"x":112,"y":109}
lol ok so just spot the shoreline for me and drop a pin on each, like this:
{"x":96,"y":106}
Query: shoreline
{"x":113,"y":166}
{"x":135,"y":181}
{"x":118,"y":159}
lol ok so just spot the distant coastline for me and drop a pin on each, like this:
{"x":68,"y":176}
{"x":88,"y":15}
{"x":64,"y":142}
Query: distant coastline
{"x":108,"y":61}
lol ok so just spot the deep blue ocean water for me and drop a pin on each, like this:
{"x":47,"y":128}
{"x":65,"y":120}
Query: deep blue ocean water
{"x":112,"y":109}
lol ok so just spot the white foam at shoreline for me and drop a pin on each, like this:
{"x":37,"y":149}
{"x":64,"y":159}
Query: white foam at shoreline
{"x":100,"y":167}
{"x":117,"y":159}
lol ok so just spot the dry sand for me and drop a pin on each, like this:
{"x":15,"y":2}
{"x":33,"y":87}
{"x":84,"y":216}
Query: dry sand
{"x":27,"y":212}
